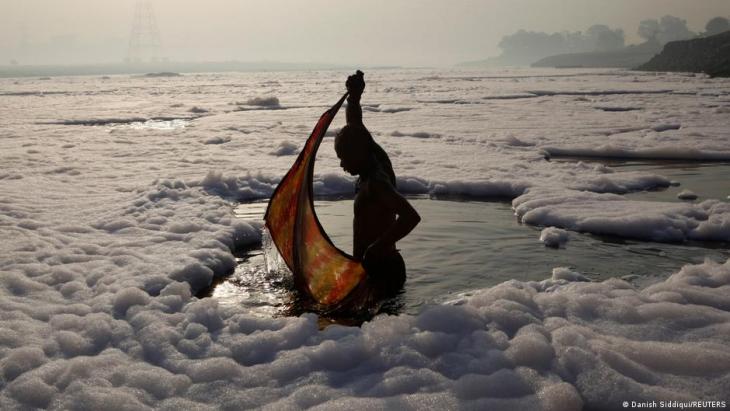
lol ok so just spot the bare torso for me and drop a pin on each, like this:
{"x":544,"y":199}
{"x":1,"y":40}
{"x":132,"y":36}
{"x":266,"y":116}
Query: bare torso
{"x":371,"y":219}
{"x":382,"y":215}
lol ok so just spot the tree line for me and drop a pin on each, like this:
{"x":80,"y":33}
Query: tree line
{"x":524,"y":46}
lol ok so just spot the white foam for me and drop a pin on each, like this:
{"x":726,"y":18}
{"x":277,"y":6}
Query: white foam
{"x":614,"y":215}
{"x":565,"y":273}
{"x":110,"y":233}
{"x":554,"y":237}
{"x":286,"y":148}
{"x":687,"y":195}
{"x":263,"y":101}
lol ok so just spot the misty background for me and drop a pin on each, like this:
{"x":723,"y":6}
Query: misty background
{"x":393,"y":32}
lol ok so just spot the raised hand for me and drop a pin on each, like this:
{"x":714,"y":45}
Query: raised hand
{"x":356,"y":84}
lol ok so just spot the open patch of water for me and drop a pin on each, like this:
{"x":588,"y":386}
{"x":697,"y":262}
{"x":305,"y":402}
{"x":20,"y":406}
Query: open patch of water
{"x":461,"y":246}
{"x":171,"y":124}
{"x":709,"y":180}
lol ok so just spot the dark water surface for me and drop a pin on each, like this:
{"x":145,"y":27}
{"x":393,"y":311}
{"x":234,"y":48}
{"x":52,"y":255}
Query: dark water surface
{"x":461,"y":246}
{"x":707,"y":180}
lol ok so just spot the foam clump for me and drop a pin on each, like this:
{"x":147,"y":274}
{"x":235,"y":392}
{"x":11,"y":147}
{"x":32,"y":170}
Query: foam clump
{"x":610,"y":214}
{"x":32,"y":392}
{"x":394,"y":109}
{"x":687,"y":195}
{"x":240,"y":188}
{"x":285,"y":148}
{"x":565,"y":273}
{"x":265,"y":101}
{"x":20,"y":360}
{"x":217,"y":140}
{"x":128,"y":298}
{"x":554,"y":237}
{"x":513,"y":141}
{"x":213,"y":369}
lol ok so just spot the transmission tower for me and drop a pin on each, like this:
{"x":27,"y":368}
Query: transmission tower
{"x":21,"y":51}
{"x":144,"y":39}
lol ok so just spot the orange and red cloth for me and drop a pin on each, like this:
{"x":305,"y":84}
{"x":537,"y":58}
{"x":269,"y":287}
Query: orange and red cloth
{"x":321,"y":270}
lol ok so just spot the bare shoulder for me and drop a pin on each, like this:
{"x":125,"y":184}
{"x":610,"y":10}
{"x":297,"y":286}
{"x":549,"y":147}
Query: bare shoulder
{"x":382,"y":191}
{"x":381,"y":185}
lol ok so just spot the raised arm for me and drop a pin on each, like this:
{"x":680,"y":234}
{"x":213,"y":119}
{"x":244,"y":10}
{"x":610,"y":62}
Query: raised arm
{"x":355,"y":86}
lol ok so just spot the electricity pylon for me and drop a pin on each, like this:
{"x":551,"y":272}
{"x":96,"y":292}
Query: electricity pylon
{"x":144,"y":39}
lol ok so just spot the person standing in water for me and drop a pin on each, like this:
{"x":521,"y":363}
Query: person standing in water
{"x":382,"y":215}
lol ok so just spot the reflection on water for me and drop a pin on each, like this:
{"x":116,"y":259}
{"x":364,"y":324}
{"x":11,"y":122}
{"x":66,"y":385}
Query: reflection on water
{"x":158,"y":124}
{"x":253,"y":285}
{"x":457,"y":247}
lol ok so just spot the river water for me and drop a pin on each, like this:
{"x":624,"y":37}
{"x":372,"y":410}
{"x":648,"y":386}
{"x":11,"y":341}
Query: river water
{"x":465,"y":245}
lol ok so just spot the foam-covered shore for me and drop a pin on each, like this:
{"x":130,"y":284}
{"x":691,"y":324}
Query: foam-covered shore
{"x":118,"y":326}
{"x":109,"y":231}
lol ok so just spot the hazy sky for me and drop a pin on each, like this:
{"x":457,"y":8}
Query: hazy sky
{"x":398,"y":32}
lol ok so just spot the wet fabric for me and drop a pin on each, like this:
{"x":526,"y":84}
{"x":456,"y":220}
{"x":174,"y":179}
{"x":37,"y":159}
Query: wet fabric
{"x":376,"y":293}
{"x":321,"y":270}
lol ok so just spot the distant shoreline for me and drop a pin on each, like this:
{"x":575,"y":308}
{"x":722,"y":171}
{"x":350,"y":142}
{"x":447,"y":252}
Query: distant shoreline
{"x":18,"y":71}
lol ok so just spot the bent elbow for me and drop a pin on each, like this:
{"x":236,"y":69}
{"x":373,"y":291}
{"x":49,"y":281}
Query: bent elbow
{"x":409,"y":220}
{"x":415,"y":218}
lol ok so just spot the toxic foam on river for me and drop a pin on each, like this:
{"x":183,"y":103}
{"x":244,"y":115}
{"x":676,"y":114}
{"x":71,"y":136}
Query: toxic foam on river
{"x":109,"y":230}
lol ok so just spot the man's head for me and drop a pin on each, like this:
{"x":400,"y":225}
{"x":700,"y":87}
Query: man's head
{"x":352,"y":145}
